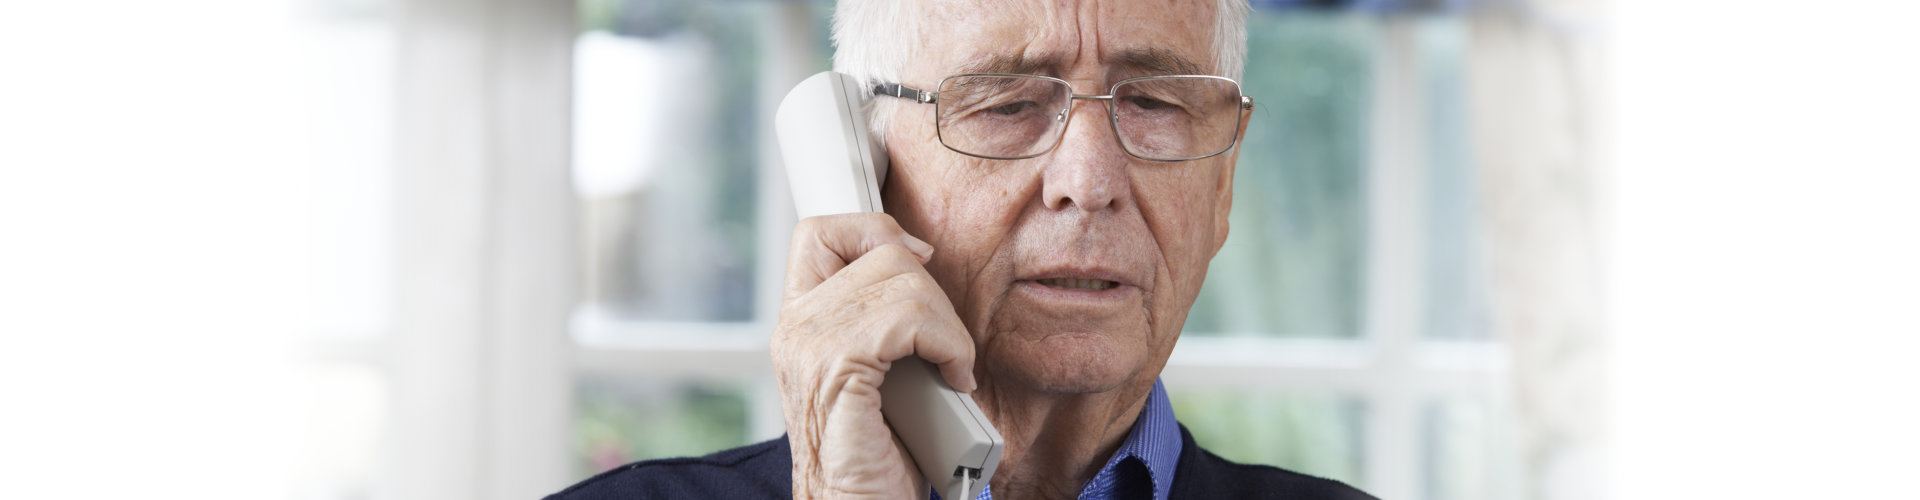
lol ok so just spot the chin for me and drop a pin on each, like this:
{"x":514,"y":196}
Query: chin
{"x":1068,"y":363}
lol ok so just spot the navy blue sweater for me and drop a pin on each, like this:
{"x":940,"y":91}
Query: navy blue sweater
{"x":765,"y":470}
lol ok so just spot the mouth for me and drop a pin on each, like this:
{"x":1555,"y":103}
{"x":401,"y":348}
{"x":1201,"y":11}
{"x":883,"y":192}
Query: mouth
{"x":1077,"y":284}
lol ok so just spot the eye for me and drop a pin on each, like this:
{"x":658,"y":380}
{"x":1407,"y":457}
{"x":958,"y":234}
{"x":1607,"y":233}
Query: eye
{"x":1011,"y":108}
{"x":1148,"y":103}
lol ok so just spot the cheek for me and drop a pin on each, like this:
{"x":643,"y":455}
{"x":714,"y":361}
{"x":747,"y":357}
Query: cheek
{"x":947,"y":200}
{"x":978,"y":219}
{"x":1179,"y":209}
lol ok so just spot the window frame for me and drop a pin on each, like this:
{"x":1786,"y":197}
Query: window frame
{"x":505,"y":376}
{"x":1392,"y":366}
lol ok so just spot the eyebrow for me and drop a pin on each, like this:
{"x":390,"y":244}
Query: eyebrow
{"x":1013,"y":64}
{"x":1152,"y":61}
{"x":1156,"y":61}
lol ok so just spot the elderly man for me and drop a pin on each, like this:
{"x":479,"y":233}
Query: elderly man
{"x":1041,"y":246}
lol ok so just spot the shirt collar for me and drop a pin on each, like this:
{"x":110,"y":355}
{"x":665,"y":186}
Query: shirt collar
{"x":1154,"y":442}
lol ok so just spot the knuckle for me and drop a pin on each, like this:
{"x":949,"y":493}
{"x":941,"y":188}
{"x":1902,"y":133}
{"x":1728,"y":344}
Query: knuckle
{"x":914,"y":310}
{"x":878,"y":220}
{"x":808,"y":226}
{"x":902,"y":284}
{"x":862,"y":222}
{"x":921,"y":282}
{"x":892,"y":252}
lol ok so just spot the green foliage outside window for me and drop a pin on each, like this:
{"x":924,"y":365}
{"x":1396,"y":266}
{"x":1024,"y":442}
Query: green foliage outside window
{"x":1293,"y":263}
{"x":1318,"y":435}
{"x":620,"y":422}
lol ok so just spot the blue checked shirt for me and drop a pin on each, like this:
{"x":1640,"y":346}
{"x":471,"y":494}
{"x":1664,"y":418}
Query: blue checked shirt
{"x":1144,"y":463}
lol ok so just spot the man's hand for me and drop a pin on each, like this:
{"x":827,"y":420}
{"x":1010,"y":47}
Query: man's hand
{"x":857,"y":298}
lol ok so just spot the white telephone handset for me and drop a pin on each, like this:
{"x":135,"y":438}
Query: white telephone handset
{"x":835,"y":167}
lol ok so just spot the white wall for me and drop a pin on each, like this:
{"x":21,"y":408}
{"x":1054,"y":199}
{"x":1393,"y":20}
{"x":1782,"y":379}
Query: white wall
{"x":1765,"y":240}
{"x":155,"y":238}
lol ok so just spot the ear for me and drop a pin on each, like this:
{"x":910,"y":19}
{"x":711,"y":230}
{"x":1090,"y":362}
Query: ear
{"x":1223,"y":192}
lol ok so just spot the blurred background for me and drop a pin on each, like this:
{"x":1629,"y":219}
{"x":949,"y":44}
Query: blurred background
{"x":483,"y":249}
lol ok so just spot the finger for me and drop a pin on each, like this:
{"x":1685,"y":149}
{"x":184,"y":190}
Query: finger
{"x":921,"y":322}
{"x":824,"y":245}
{"x":949,"y":347}
{"x":859,"y":287}
{"x":905,"y":308}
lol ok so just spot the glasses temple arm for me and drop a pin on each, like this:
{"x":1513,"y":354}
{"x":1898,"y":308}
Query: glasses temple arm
{"x":905,"y":92}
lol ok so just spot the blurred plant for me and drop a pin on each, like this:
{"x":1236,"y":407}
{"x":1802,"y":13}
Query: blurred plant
{"x":620,"y":423}
{"x":1318,"y":435}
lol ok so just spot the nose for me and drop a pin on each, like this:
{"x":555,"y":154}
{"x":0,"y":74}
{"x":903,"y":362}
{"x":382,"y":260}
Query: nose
{"x":1088,"y":170}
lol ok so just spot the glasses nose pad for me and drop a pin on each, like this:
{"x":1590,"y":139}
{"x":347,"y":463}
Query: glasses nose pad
{"x":1061,"y":116}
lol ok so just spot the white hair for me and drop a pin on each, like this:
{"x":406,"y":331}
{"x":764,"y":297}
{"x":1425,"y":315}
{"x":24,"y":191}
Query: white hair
{"x":874,"y":40}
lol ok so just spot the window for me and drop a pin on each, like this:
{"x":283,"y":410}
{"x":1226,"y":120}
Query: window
{"x":685,"y":229}
{"x":1341,"y":331}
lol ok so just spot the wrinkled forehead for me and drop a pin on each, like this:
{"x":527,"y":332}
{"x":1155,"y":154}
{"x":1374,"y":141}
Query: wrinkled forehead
{"x":1115,"y":39}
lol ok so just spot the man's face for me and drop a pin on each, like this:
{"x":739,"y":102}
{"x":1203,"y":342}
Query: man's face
{"x":1017,"y":238}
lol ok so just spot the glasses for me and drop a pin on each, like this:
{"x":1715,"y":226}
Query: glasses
{"x":1010,"y":117}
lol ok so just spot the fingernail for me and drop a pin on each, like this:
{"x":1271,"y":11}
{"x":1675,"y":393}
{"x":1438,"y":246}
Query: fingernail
{"x":972,"y":385}
{"x":920,"y":248}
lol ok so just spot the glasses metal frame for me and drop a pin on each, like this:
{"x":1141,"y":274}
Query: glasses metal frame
{"x":1113,"y":115}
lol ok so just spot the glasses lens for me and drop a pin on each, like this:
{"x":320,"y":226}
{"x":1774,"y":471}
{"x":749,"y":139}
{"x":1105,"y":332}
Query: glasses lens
{"x":1002,"y":116}
{"x":1177,"y":117}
